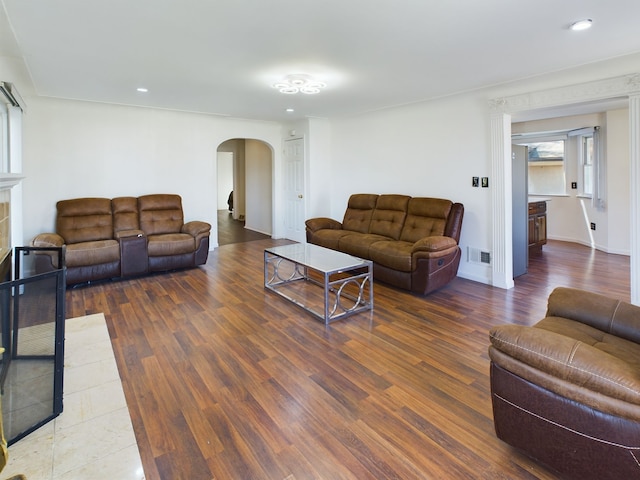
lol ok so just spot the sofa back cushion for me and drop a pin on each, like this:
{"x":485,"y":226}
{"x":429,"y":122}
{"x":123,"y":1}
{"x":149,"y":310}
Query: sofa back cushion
{"x":426,"y":217}
{"x":607,"y":314}
{"x":125,"y":214}
{"x":160,"y":213}
{"x":357,"y":217}
{"x":84,"y":220}
{"x":389,"y":215}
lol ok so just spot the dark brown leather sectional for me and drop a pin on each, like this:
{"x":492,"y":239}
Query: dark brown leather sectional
{"x":567,"y":390}
{"x":412,"y":241}
{"x":122,"y":237}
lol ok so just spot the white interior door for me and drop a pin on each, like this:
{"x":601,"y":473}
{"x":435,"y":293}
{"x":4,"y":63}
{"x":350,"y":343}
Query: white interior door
{"x":294,"y":189}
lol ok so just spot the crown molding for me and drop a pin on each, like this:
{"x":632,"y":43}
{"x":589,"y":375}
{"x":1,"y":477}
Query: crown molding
{"x":616,"y":87}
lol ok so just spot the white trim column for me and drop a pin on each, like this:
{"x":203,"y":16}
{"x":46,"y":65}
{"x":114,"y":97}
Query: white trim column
{"x":634,"y":190}
{"x":502,"y":243}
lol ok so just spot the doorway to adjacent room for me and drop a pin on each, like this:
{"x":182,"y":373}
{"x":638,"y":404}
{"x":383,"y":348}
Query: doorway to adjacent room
{"x":244,"y":200}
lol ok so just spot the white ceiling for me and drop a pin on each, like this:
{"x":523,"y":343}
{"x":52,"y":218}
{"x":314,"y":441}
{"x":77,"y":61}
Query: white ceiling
{"x":222,"y":56}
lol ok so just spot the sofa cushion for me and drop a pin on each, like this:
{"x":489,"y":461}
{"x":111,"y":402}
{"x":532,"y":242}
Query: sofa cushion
{"x":170,"y":244}
{"x":426,"y":217}
{"x":330,"y":238}
{"x":575,"y":353}
{"x":610,"y":315}
{"x":125,"y":214}
{"x":357,"y":244}
{"x":92,"y":253}
{"x":84,"y":219}
{"x":388,"y":217}
{"x":394,"y":254}
{"x":161,"y":213}
{"x":357,"y":217}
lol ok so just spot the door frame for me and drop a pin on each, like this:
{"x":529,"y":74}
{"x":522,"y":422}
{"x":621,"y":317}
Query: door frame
{"x":501,"y":110}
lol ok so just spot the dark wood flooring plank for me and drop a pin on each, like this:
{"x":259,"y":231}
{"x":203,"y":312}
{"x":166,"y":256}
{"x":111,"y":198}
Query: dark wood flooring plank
{"x":226,"y":380}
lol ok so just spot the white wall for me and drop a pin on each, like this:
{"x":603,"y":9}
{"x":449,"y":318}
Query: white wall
{"x":319,"y":173}
{"x":618,"y":185}
{"x":435,"y":147}
{"x":236,"y":147}
{"x":76,"y":149}
{"x":258,"y":187}
{"x":429,"y":150}
{"x":225,"y":179}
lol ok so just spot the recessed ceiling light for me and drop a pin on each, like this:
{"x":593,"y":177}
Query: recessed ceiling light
{"x":142,"y":90}
{"x":289,"y":110}
{"x":581,"y":24}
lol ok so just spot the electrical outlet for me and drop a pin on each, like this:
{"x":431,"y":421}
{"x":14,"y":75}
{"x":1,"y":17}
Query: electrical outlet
{"x":574,"y":185}
{"x":593,"y":226}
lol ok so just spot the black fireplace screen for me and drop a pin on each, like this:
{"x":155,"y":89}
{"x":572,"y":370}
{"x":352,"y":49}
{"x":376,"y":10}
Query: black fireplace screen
{"x":32,"y":310}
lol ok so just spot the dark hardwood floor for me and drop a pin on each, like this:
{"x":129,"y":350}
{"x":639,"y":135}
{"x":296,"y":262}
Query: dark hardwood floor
{"x":233,"y":231}
{"x":225,"y":380}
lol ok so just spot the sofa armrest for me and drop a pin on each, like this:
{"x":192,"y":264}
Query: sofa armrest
{"x":599,"y":311}
{"x":196,"y":228}
{"x":322,"y":223}
{"x":568,"y":359}
{"x":47,"y":240}
{"x":48,"y":260}
{"x":435,"y":245}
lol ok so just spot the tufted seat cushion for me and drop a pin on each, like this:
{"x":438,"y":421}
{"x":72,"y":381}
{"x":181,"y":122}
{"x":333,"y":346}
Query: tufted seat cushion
{"x":160,"y":213}
{"x":426,"y":217}
{"x":388,"y":218}
{"x":360,"y":207}
{"x":84,"y":219}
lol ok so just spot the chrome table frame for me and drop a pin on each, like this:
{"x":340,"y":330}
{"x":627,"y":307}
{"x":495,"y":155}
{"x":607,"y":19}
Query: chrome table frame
{"x":288,"y":264}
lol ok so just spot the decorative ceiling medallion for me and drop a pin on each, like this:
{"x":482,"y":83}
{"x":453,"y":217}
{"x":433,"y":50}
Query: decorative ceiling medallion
{"x":299,"y":83}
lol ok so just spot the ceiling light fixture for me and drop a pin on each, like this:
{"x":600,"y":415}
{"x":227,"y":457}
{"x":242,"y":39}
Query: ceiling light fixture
{"x":142,"y":90}
{"x":292,"y":84}
{"x":581,"y":25}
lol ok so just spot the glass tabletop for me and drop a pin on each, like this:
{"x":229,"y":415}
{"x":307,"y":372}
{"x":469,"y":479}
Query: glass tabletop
{"x":318,"y":258}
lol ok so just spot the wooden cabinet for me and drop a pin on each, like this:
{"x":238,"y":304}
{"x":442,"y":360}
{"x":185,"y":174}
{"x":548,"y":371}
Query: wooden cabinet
{"x":537,"y":225}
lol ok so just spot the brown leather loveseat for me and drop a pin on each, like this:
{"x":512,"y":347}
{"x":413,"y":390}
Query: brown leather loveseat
{"x":125,"y":236}
{"x":412,"y":241}
{"x":567,"y":390}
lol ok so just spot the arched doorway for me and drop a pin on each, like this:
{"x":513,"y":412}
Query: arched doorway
{"x":244,"y":176}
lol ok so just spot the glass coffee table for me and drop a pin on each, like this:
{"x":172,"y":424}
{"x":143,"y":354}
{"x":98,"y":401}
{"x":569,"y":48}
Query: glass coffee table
{"x":296,"y":271}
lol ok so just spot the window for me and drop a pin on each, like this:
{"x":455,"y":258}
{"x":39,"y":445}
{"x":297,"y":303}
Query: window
{"x":546,"y":166}
{"x":586,"y":162}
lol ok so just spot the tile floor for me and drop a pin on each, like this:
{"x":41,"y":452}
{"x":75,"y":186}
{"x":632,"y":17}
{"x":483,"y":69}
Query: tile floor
{"x":93,"y":437}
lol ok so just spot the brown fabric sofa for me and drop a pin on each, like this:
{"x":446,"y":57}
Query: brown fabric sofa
{"x":567,"y":390}
{"x":125,"y":236}
{"x":413,"y":242}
